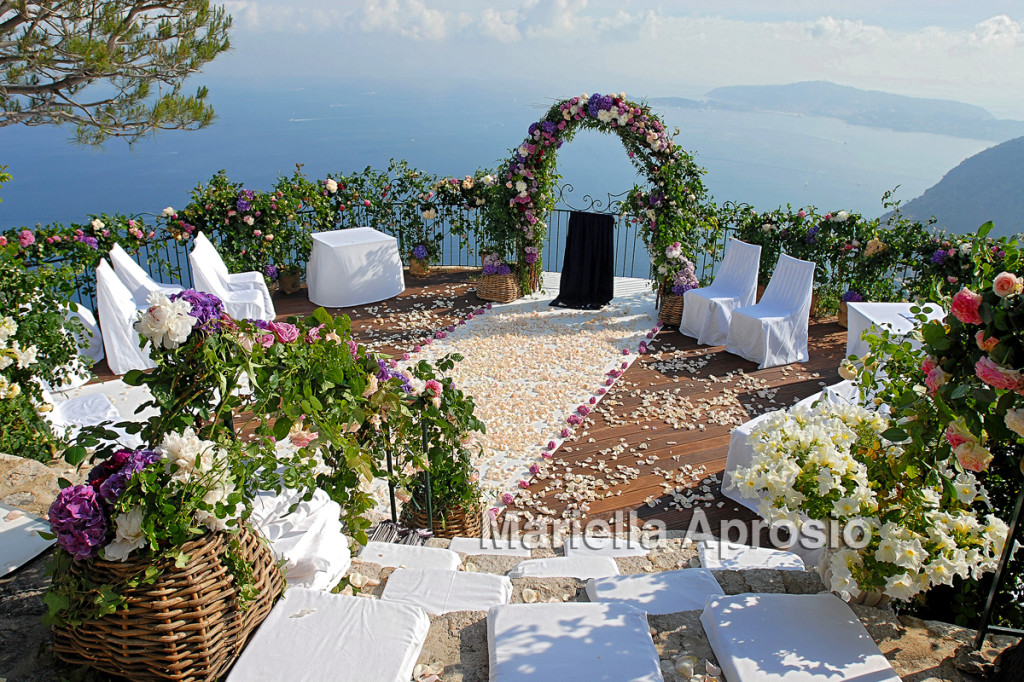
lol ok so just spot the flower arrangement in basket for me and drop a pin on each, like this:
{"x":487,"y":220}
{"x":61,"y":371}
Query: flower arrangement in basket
{"x":420,"y":258}
{"x":905,"y":524}
{"x":678,"y":276}
{"x":498,"y":282}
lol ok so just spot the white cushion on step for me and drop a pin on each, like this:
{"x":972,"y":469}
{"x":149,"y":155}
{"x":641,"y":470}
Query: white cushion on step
{"x":727,"y":556}
{"x":582,"y":567}
{"x":500,"y":546}
{"x":438,"y":591}
{"x":409,"y":556}
{"x":657,"y":593}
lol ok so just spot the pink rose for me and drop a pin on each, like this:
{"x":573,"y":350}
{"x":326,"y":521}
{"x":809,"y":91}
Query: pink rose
{"x":972,"y":456}
{"x":928,"y":365}
{"x":965,"y":306}
{"x":285,"y":333}
{"x":997,"y":376}
{"x":265,"y":340}
{"x":1006,"y":283}
{"x":26,"y":238}
{"x":433,"y":386}
{"x":3,"y":240}
{"x":957,"y":435}
{"x":935,"y":379}
{"x":985,"y":344}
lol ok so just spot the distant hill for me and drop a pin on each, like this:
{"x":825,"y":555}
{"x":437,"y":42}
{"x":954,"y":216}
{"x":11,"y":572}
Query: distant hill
{"x":860,"y":107}
{"x":987,"y":186}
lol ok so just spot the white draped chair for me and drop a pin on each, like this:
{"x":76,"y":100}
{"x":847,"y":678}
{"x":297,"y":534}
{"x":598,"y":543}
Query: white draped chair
{"x":245,"y":294}
{"x":706,"y":311}
{"x":774,"y":331}
{"x":118,"y":313}
{"x":136,"y":279}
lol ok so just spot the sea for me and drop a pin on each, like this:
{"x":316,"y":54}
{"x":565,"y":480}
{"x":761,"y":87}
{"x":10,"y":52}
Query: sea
{"x":262,"y":131}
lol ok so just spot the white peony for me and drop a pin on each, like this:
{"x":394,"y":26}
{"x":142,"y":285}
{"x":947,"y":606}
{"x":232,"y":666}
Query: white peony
{"x":331,"y":185}
{"x":129,"y":536}
{"x":166,"y":323}
{"x":168,"y":212}
{"x":187,"y":457}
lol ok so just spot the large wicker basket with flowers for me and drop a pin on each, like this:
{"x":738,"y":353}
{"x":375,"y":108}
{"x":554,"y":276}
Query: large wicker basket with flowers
{"x":457,"y":522}
{"x":189,"y":624}
{"x":498,"y":283}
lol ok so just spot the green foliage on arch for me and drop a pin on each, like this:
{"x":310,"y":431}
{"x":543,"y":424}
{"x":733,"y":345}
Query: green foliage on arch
{"x":672,"y":207}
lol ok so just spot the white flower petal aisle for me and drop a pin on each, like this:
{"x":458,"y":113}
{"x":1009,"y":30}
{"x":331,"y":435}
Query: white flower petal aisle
{"x":530,"y":368}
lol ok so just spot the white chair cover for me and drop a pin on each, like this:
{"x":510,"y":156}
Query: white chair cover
{"x":235,"y":281}
{"x":135,"y":278}
{"x":706,"y":312}
{"x":774,"y":331}
{"x":118,"y":314}
{"x":93,"y":338}
{"x":240,"y":303}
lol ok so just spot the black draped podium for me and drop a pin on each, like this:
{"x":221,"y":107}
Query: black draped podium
{"x":588,"y":269}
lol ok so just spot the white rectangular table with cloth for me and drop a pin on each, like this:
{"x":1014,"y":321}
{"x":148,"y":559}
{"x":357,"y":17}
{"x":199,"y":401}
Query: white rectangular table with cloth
{"x":352,"y":267}
{"x":897,"y":317}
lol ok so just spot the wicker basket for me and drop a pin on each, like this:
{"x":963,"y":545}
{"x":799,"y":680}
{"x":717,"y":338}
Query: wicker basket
{"x":186,"y":626}
{"x":498,"y":288}
{"x":457,"y":523}
{"x":419,"y":267}
{"x":671,"y":311}
{"x":843,"y":314}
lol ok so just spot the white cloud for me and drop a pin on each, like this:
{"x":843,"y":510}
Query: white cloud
{"x":500,"y":25}
{"x":406,"y":18}
{"x":1001,"y":32}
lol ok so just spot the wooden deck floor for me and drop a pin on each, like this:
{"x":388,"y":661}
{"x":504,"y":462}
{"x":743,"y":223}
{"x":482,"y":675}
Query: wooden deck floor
{"x":667,"y":420}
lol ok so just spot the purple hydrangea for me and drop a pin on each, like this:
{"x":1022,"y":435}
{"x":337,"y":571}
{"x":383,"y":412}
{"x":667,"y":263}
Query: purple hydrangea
{"x":548,"y":127}
{"x":939,"y":257}
{"x":852,"y":296}
{"x":680,"y":289}
{"x":502,"y":269}
{"x":420,"y":252}
{"x":386,"y":372}
{"x":270,"y":271}
{"x":112,"y":488}
{"x":812,"y":235}
{"x":244,"y":202}
{"x":206,"y":308}
{"x":531,"y":258}
{"x":86,"y":239}
{"x":78,"y":520}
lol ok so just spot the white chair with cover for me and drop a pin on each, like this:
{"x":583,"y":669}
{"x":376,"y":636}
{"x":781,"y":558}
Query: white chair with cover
{"x":706,"y":311}
{"x":136,"y":279}
{"x":774,"y":331}
{"x":241,"y":296}
{"x":207,"y":266}
{"x":118,"y":314}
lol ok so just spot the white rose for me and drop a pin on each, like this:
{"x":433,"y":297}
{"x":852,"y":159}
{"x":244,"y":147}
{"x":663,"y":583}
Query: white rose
{"x":331,"y":185}
{"x":5,"y":361}
{"x":186,"y":456}
{"x":841,"y":216}
{"x":217,"y":495}
{"x":248,"y":220}
{"x":97,"y":224}
{"x":429,"y":214}
{"x":129,"y":536}
{"x":520,"y":186}
{"x":166,"y":323}
{"x":8,"y":328}
{"x":1015,"y":421}
{"x":25,"y":356}
{"x":168,"y":212}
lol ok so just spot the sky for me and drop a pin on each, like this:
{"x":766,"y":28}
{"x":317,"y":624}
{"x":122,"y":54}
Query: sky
{"x":972,"y":51}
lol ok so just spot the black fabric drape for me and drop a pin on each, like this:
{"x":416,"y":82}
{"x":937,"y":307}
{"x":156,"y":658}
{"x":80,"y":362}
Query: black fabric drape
{"x":588,"y":269}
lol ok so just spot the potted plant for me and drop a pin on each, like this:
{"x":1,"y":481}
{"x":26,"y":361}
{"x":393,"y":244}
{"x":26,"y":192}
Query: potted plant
{"x":498,"y":282}
{"x":678,"y":276}
{"x":420,"y":258}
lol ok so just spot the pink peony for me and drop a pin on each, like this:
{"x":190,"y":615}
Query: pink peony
{"x":965,"y":306}
{"x":551,"y":445}
{"x":583,"y":410}
{"x":997,"y":376}
{"x":1006,"y":283}
{"x":565,"y":433}
{"x":985,"y":344}
{"x":972,"y":456}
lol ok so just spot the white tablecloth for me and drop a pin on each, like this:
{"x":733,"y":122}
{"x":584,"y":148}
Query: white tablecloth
{"x":352,"y":267}
{"x":864,"y":315}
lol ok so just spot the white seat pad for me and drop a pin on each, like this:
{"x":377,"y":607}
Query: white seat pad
{"x":727,"y":556}
{"x":439,"y":591}
{"x":579,"y":545}
{"x":19,"y":538}
{"x":572,"y":641}
{"x":657,"y":593}
{"x":792,"y":638}
{"x":312,"y":635}
{"x":501,"y":546}
{"x":582,"y":567}
{"x":409,"y":556}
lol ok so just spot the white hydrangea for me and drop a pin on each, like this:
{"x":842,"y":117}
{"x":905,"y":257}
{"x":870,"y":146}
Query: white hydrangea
{"x":166,"y":323}
{"x":128,"y":536}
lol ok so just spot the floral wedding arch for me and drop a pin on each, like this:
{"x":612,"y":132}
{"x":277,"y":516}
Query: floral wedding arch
{"x":669,"y":211}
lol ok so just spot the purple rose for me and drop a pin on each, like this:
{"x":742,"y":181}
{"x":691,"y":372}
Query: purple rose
{"x":78,"y":520}
{"x":206,"y":308}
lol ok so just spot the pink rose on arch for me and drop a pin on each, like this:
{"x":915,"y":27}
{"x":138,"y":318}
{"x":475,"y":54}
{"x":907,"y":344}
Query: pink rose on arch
{"x":957,"y":434}
{"x":997,"y":376}
{"x":936,"y":379}
{"x":26,"y":238}
{"x":1006,"y":283}
{"x":985,"y":344}
{"x":3,"y":240}
{"x":972,"y":456}
{"x":965,"y":306}
{"x":928,"y":365}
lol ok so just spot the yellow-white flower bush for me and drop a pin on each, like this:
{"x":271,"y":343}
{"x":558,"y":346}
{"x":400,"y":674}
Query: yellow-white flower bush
{"x":917,"y":525}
